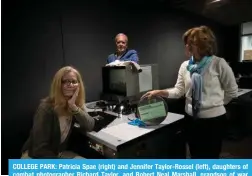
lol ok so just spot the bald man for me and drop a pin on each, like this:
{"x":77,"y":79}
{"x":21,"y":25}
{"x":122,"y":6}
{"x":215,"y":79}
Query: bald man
{"x":122,"y":52}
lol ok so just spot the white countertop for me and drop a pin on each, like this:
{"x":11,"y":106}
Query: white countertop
{"x":243,"y":91}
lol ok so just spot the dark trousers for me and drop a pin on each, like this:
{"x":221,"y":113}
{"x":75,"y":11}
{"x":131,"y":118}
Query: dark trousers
{"x":204,"y":136}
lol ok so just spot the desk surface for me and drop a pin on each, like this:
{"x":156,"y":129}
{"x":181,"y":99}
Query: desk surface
{"x":119,"y":131}
{"x":243,"y":91}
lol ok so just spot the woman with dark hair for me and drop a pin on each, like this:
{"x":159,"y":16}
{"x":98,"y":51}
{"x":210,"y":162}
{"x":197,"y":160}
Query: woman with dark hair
{"x":208,"y":83}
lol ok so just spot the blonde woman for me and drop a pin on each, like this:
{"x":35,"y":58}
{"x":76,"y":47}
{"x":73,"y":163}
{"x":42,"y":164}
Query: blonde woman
{"x":56,"y":115}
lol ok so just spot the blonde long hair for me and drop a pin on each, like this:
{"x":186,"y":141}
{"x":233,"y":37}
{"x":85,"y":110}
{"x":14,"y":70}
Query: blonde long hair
{"x":56,"y":95}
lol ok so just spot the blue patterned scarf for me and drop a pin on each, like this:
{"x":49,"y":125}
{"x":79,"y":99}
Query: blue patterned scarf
{"x":197,"y":70}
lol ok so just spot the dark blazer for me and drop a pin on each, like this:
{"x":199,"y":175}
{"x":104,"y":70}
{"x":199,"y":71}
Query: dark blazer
{"x":44,"y":140}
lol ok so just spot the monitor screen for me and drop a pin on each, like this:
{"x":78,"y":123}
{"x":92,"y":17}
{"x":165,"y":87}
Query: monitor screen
{"x":114,"y":80}
{"x":117,"y":81}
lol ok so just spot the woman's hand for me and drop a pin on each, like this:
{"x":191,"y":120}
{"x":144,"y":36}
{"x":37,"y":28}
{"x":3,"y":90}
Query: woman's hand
{"x":71,"y":102}
{"x":161,"y":93}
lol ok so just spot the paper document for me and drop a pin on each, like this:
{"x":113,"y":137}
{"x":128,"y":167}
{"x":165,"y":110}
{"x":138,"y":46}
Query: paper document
{"x":152,"y":111}
{"x":145,"y":79}
{"x":126,"y":132}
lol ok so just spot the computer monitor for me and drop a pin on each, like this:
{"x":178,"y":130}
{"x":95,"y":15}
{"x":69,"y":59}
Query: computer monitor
{"x":127,"y":82}
{"x":148,"y":78}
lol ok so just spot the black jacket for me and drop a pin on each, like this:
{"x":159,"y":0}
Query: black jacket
{"x":44,"y":140}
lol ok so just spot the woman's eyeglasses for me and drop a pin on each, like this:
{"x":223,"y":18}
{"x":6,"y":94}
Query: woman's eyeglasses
{"x":68,"y":82}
